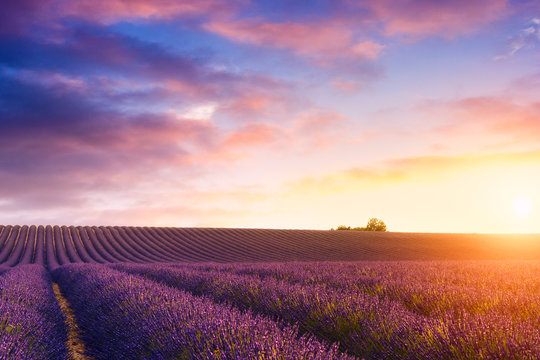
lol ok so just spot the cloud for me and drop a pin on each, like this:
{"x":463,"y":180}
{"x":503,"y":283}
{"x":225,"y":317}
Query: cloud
{"x":315,"y":120}
{"x":418,"y":19}
{"x":367,"y":50}
{"x":338,"y":33}
{"x":528,"y":37}
{"x":95,"y":112}
{"x":92,"y":51}
{"x":260,"y":105}
{"x":17,"y":16}
{"x":313,"y":128}
{"x":251,"y":135}
{"x":501,"y":116}
{"x":164,"y":214}
{"x":530,"y":82}
{"x":336,"y":27}
{"x":60,"y":144}
{"x":64,"y":158}
{"x":131,"y":72}
{"x":96,"y":119}
{"x":419,"y":169}
{"x":24,"y":16}
{"x":64,"y":144}
{"x":323,"y":41}
{"x":114,"y":10}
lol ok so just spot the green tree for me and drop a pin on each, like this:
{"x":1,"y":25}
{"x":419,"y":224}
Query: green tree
{"x":359,"y":228}
{"x":375,"y":224}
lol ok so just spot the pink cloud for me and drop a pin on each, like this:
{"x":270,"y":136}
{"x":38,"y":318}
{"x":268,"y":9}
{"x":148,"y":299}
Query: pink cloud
{"x":343,"y":35}
{"x":20,"y":16}
{"x":252,"y":134}
{"x":421,"y":18}
{"x":502,"y":115}
{"x":310,"y":128}
{"x":317,"y":120}
{"x":495,"y":120}
{"x":319,"y":128}
{"x":526,"y":83}
{"x":258,"y":98}
{"x":190,"y":89}
{"x":112,"y":10}
{"x":367,"y":50}
{"x":323,"y":41}
{"x":248,"y":106}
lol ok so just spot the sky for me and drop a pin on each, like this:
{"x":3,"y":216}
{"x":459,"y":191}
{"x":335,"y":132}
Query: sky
{"x":271,"y":114}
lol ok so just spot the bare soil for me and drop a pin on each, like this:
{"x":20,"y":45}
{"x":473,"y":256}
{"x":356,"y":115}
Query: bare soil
{"x":74,"y":344}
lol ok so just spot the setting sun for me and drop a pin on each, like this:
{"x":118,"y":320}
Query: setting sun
{"x":522,"y":206}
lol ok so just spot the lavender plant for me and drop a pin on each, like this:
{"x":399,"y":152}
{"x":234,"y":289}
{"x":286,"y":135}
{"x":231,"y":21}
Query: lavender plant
{"x":418,"y":310}
{"x":31,"y":323}
{"x":128,"y":317}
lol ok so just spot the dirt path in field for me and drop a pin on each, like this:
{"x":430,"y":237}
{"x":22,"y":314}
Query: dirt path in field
{"x":75,"y":344}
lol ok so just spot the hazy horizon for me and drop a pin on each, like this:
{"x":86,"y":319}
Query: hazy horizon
{"x":267,"y":228}
{"x":271,"y":114}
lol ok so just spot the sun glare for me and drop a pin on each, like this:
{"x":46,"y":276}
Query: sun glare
{"x":522,"y":206}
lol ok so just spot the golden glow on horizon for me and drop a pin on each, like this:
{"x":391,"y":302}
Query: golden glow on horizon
{"x":522,"y":206}
{"x":456,"y":194}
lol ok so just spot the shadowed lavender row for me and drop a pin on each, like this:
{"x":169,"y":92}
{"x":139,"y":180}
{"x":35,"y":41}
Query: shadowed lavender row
{"x":32,"y":325}
{"x":128,"y":317}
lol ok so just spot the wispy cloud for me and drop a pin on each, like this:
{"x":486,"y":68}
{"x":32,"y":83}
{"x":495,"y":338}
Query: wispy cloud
{"x":419,"y":169}
{"x":528,"y":37}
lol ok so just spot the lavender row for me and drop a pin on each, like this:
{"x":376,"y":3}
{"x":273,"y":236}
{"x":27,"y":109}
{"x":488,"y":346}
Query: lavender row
{"x":433,"y":289}
{"x":364,"y":325}
{"x":32,"y":325}
{"x":124,"y":316}
{"x":447,"y":336}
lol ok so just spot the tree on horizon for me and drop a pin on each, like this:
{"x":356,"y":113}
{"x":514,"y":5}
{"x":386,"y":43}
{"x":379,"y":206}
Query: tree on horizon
{"x":373,"y":224}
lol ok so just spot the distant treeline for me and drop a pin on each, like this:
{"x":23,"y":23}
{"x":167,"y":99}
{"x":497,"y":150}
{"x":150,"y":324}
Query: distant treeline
{"x":373,"y":224}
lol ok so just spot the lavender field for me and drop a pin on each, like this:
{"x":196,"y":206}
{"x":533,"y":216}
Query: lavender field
{"x":165,"y":293}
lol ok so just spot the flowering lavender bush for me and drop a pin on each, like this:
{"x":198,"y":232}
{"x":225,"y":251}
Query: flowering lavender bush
{"x":427,"y":288}
{"x":129,"y":317}
{"x":31,"y":325}
{"x":442,"y":310}
{"x":365,"y":325}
